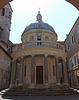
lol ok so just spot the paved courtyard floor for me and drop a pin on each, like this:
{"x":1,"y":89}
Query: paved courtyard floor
{"x":70,"y":97}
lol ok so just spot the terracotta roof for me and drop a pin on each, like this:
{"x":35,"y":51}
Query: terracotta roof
{"x":3,"y":3}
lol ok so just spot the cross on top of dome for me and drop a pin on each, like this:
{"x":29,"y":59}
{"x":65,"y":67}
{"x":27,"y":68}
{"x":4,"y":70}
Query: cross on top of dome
{"x":39,"y":16}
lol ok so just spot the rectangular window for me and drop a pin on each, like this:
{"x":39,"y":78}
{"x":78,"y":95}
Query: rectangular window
{"x":72,"y":39}
{"x":53,"y":70}
{"x":25,"y":71}
{"x":39,"y":43}
{"x":68,"y":46}
{"x":60,"y":65}
{"x":39,"y":39}
{"x":75,"y":60}
{"x":3,"y":11}
{"x":10,"y":15}
{"x":70,"y":63}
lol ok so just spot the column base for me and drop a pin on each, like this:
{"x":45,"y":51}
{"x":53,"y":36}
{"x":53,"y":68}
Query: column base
{"x":46,"y":84}
{"x":20,"y":84}
{"x":58,"y":84}
{"x":11,"y":85}
{"x":66,"y":84}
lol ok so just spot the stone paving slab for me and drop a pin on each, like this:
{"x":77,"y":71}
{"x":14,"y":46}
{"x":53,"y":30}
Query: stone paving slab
{"x":71,"y":97}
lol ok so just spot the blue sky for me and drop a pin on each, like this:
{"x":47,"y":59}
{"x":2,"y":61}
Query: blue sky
{"x":60,"y":14}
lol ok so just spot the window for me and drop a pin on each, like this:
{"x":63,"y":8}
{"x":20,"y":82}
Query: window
{"x":72,"y":39}
{"x":39,"y":38}
{"x":68,"y":46}
{"x":53,"y":70}
{"x":60,"y":65}
{"x":39,"y":43}
{"x":10,"y":15}
{"x":25,"y":71}
{"x":3,"y":11}
{"x":70,"y":63}
{"x":75,"y":60}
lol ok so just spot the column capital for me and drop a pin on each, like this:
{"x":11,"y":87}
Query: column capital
{"x":64,"y":59}
{"x":14,"y":59}
{"x":56,"y":56}
{"x":33,"y":55}
{"x":21,"y":57}
{"x":46,"y":55}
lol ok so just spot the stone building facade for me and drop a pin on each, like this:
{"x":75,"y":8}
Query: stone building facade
{"x":72,"y":49}
{"x":5,"y":44}
{"x":5,"y":68}
{"x":39,"y":59}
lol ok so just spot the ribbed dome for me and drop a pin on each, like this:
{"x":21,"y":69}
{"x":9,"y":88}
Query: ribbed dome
{"x":39,"y":24}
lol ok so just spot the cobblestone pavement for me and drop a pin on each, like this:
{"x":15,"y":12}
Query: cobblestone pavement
{"x":70,"y":97}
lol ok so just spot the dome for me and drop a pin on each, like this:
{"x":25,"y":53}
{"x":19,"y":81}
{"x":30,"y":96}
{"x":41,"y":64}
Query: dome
{"x":39,"y":24}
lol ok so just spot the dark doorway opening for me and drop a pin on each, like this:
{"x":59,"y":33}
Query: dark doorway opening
{"x":39,"y":75}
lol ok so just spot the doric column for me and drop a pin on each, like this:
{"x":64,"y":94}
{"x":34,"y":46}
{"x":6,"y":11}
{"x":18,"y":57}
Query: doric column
{"x":21,"y":71}
{"x":13,"y":72}
{"x":65,"y":72}
{"x":46,"y":68}
{"x":32,"y":69}
{"x":57,"y":71}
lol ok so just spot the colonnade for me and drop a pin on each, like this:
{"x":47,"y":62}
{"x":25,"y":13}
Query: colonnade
{"x":14,"y":69}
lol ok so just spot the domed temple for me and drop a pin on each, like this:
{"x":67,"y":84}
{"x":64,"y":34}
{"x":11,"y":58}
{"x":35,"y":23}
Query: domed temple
{"x":39,"y":59}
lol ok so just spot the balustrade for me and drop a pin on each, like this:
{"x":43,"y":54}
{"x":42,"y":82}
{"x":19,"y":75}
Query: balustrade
{"x":39,"y":44}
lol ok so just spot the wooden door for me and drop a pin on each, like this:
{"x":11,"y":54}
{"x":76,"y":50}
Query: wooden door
{"x":39,"y":75}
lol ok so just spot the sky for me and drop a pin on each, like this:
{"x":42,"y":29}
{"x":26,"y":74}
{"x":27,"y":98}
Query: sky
{"x":60,"y":14}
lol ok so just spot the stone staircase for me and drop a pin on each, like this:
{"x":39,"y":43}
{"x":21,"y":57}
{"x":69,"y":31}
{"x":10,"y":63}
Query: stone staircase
{"x":51,"y":91}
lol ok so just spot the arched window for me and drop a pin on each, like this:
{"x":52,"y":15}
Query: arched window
{"x":39,"y":38}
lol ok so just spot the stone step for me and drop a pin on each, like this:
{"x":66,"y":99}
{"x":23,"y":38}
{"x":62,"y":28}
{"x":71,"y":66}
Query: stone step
{"x":24,"y":91}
